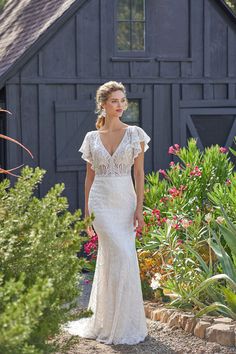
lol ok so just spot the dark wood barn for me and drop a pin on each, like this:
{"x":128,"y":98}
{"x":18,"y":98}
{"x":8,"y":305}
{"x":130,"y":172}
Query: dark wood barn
{"x":176,"y":58}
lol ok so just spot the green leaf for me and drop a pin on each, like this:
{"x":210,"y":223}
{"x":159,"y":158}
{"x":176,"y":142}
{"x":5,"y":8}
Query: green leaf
{"x":216,"y":306}
{"x":206,"y":283}
{"x":199,"y":258}
{"x":227,"y":264}
{"x":231,"y":298}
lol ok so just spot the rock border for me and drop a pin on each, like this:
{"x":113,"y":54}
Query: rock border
{"x":221,"y":330}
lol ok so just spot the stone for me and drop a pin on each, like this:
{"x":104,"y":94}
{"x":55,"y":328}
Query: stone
{"x":148,"y":309}
{"x":225,"y":320}
{"x":221,"y":333}
{"x":165,"y":315}
{"x":208,"y":318}
{"x":173,"y":320}
{"x":156,"y":314}
{"x":200,"y":328}
{"x":190,"y":324}
{"x":146,"y":302}
{"x":174,"y":328}
{"x":183,"y":319}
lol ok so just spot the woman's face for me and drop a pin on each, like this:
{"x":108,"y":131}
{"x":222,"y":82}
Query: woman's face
{"x":115,"y":104}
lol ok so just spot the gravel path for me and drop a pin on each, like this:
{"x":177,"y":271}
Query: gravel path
{"x":161,"y":340}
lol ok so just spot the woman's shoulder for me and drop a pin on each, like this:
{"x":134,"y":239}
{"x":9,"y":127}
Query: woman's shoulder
{"x":136,"y":128}
{"x":91,"y":132}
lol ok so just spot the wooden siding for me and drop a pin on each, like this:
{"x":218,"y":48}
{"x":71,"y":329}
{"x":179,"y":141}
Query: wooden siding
{"x":186,"y":75}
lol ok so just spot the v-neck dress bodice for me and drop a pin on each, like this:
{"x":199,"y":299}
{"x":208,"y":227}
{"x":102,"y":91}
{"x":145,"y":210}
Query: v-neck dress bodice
{"x":116,"y":295}
{"x":121,"y":161}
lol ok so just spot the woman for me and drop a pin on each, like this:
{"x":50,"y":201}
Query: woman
{"x":110,"y":151}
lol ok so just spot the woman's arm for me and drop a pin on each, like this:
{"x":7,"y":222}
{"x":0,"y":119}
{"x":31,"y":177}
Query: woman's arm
{"x":87,"y":185}
{"x":139,"y":186}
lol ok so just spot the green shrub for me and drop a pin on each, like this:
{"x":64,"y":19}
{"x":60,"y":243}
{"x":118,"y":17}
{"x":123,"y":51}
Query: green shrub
{"x":39,"y":241}
{"x":2,"y":3}
{"x":178,"y":210}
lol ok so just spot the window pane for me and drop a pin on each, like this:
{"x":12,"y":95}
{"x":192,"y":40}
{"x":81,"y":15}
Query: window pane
{"x":123,"y":10}
{"x":137,"y":10}
{"x":137,"y":36}
{"x":123,"y":36}
{"x":132,"y":113}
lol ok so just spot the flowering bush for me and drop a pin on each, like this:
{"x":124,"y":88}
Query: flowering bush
{"x":177,"y":205}
{"x":39,"y":269}
{"x":90,"y":248}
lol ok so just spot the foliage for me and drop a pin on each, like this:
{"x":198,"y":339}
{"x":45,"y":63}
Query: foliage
{"x":2,"y":3}
{"x":231,"y":4}
{"x":39,"y":275}
{"x":181,"y":214}
{"x":90,"y":248}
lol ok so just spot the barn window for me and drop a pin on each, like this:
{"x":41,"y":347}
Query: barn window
{"x":132,"y":115}
{"x":130,"y":35}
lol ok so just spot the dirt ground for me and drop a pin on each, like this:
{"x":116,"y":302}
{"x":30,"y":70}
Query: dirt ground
{"x":160,"y":340}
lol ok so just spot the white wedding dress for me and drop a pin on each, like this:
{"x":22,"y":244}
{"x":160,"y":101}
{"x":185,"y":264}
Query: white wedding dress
{"x":116,"y":296}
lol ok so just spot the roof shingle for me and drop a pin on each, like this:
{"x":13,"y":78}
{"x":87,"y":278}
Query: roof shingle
{"x":22,"y":22}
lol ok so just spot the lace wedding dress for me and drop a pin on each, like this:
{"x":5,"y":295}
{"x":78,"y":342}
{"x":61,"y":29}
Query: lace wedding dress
{"x":116,"y":297}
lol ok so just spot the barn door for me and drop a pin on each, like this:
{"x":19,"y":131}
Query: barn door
{"x":209,"y":125}
{"x":72,"y":121}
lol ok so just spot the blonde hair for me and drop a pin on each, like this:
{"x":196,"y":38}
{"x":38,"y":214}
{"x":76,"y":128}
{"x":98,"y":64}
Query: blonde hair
{"x":102,"y":94}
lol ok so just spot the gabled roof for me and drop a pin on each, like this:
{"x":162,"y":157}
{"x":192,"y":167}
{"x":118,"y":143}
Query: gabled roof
{"x":23,"y":23}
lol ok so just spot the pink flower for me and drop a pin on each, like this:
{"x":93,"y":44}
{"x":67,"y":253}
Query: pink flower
{"x":228,"y":182}
{"x":156,"y":212}
{"x":171,"y":150}
{"x":175,"y":192}
{"x":172,"y":163}
{"x":91,"y":245}
{"x":172,"y":190}
{"x":186,"y":223}
{"x":163,"y":220}
{"x":179,"y":242}
{"x":195,"y":172}
{"x":183,"y":188}
{"x":223,"y":150}
{"x":163,"y":172}
{"x":176,"y":226}
{"x":174,"y":149}
{"x":164,"y":199}
{"x":138,"y":232}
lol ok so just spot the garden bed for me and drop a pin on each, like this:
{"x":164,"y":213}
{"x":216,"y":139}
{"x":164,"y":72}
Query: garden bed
{"x":221,"y":330}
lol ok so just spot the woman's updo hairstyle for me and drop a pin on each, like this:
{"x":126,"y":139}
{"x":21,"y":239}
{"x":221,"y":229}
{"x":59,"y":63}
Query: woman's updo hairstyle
{"x":102,"y":95}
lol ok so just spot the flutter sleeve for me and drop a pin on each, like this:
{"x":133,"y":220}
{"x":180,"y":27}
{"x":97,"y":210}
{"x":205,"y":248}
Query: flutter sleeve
{"x":139,"y":135}
{"x":86,"y":150}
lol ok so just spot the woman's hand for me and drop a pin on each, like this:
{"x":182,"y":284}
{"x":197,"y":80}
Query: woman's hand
{"x":89,"y":230}
{"x":138,"y":217}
